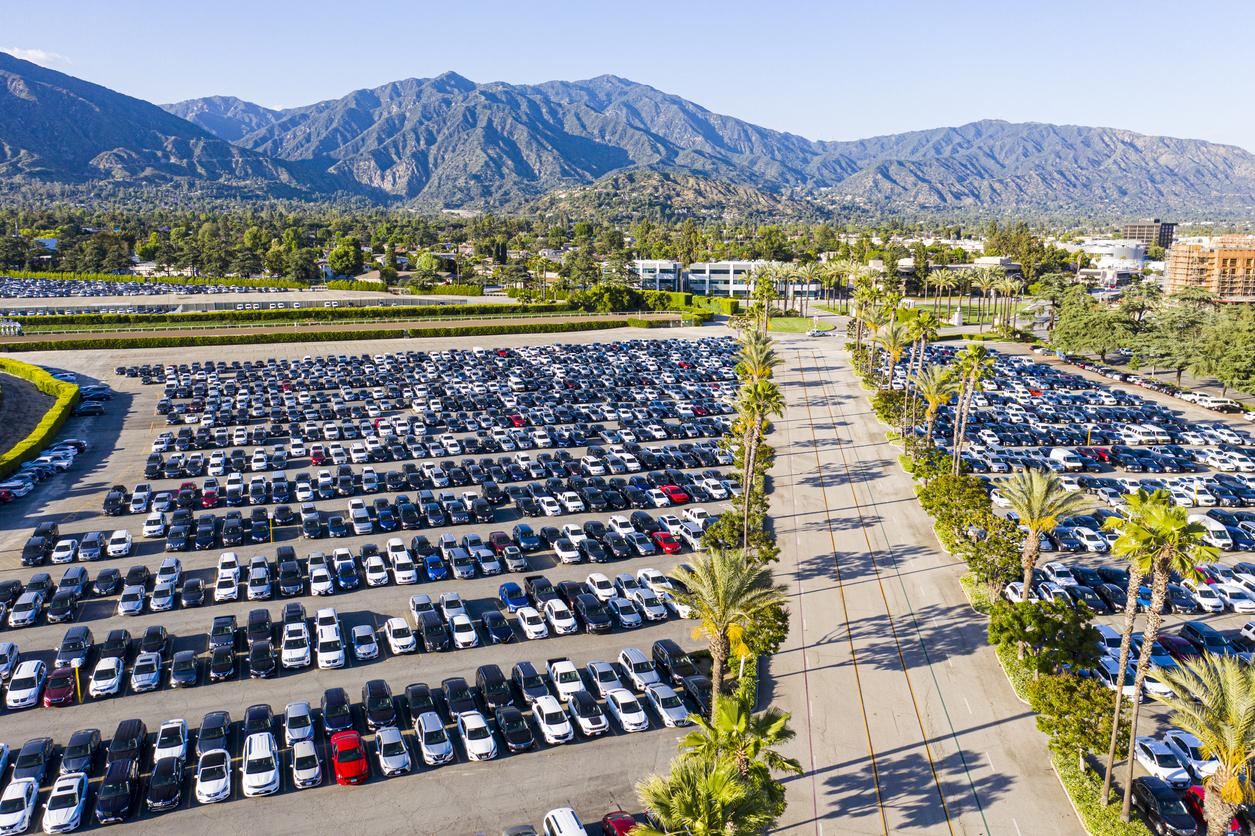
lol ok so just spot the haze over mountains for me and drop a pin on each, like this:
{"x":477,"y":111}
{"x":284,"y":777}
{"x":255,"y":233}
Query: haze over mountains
{"x":449,"y":142}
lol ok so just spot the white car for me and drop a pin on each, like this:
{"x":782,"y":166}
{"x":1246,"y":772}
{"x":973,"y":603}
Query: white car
{"x":63,"y":811}
{"x":298,"y":722}
{"x":259,"y":771}
{"x":170,"y":571}
{"x":451,"y":605}
{"x":530,"y":622}
{"x":27,"y":685}
{"x":1189,"y":751}
{"x":320,"y":582}
{"x":560,"y":618}
{"x":106,"y":678}
{"x":549,"y":506}
{"x":571,"y":502}
{"x":400,"y":636}
{"x":657,"y":498}
{"x":464,"y":633}
{"x":66,"y":549}
{"x":639,"y":669}
{"x":681,"y":609}
{"x":653,"y":579}
{"x":1235,"y":597}
{"x":229,"y":564}
{"x":295,"y":651}
{"x":330,"y":648}
{"x":365,"y":645}
{"x":213,"y":777}
{"x":119,"y":543}
{"x":433,"y":741}
{"x":621,"y":525}
{"x":552,"y":721}
{"x":1157,"y":759}
{"x":668,"y":704}
{"x":603,"y":675}
{"x":393,"y":754}
{"x":601,"y":586}
{"x":162,"y":598}
{"x":566,"y":551}
{"x":376,"y":571}
{"x":476,"y":736}
{"x":566,"y":679}
{"x":650,"y":605}
{"x":626,"y":710}
{"x":155,"y":525}
{"x":306,"y":768}
{"x":171,"y":741}
{"x":226,"y":588}
{"x":17,"y":805}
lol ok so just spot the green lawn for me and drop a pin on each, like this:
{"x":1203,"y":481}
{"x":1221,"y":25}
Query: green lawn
{"x":796,"y":325}
{"x":969,"y":310}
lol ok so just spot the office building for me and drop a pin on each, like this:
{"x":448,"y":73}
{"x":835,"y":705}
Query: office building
{"x":1152,"y":233}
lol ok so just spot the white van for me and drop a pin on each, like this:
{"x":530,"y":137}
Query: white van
{"x":1217,"y":535}
{"x":1067,"y":458}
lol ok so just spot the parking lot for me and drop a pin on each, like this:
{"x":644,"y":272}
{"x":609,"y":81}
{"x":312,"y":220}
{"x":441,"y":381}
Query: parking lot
{"x":455,"y":797}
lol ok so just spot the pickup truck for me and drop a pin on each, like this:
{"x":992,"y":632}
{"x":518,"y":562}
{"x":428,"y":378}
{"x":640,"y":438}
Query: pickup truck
{"x":539,"y":590}
{"x":564,"y":676}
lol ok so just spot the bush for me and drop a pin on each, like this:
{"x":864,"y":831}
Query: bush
{"x":648,"y":323}
{"x":365,"y":287}
{"x":1085,"y":792}
{"x":67,"y":396}
{"x":977,"y":593}
{"x":718,"y":304}
{"x":449,"y":290}
{"x":111,"y":343}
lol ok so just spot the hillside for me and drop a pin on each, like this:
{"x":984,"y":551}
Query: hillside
{"x":56,"y":128}
{"x":448,"y":142}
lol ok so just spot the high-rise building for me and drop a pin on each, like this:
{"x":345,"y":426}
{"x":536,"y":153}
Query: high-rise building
{"x":1152,"y":233}
{"x":1224,"y":265}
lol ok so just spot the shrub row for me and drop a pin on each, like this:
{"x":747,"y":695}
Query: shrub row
{"x":449,"y":290}
{"x":364,"y":287}
{"x":322,"y":336}
{"x":648,"y":323}
{"x":718,"y":304}
{"x":1085,"y":791}
{"x":127,"y":277}
{"x":67,"y":396}
{"x":291,"y":314}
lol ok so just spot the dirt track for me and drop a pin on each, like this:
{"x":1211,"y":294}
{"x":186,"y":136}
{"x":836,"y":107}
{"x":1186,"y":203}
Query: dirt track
{"x":21,"y":409}
{"x":313,"y":327}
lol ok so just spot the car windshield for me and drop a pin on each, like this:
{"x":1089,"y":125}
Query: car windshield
{"x":1172,"y":807}
{"x":671,"y":701}
{"x":13,"y":805}
{"x":629,"y":707}
{"x":329,"y":646}
{"x":434,"y":736}
{"x":163,"y":777}
{"x":477,"y":732}
{"x":553,"y":718}
{"x":349,"y":755}
{"x":77,"y":751}
{"x":169,"y":737}
{"x":114,"y":789}
{"x":378,"y":703}
{"x":336,"y":709}
{"x":63,"y":800}
{"x":256,"y":766}
{"x":305,"y":762}
{"x":401,"y":632}
{"x":393,"y":748}
{"x":642,"y":667}
{"x":214,"y":770}
{"x":24,"y":684}
{"x":1167,"y":760}
{"x":181,"y":665}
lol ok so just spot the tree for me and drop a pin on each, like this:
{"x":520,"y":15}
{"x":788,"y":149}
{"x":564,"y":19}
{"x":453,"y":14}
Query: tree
{"x":937,"y":386}
{"x":990,"y":546}
{"x":302,"y":265}
{"x":726,"y":592}
{"x":276,"y":259}
{"x":701,"y":798}
{"x":974,"y":365}
{"x":894,"y":340}
{"x":1048,"y":634}
{"x":247,"y":263}
{"x":1072,"y":711}
{"x":346,"y":259}
{"x":758,"y":400}
{"x":736,"y":734}
{"x":1041,"y":500}
{"x":1213,"y":698}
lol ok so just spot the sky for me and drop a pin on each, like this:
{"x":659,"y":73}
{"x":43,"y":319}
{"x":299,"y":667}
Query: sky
{"x":836,"y":70}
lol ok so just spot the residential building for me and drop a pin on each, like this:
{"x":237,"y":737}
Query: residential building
{"x":1151,"y":232}
{"x":1224,"y":265}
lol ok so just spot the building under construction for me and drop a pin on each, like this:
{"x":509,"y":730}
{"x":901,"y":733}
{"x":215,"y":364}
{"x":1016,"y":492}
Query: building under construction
{"x":1224,"y":265}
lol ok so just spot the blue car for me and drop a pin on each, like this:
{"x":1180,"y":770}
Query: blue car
{"x":436,"y":570}
{"x":498,"y":629}
{"x":1242,"y":541}
{"x":512,"y":596}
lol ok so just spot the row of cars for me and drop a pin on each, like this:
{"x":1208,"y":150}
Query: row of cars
{"x":53,"y":460}
{"x":33,"y":288}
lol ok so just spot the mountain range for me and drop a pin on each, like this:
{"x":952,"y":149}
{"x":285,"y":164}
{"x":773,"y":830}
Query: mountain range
{"x":448,"y":142}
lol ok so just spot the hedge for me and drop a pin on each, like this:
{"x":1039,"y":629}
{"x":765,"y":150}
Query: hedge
{"x":67,"y":396}
{"x":1085,"y":792}
{"x":364,"y":287}
{"x":128,"y":277}
{"x":699,"y":314}
{"x":111,"y":343}
{"x":449,"y":290}
{"x":718,"y":304}
{"x":291,"y":314}
{"x":648,"y":323}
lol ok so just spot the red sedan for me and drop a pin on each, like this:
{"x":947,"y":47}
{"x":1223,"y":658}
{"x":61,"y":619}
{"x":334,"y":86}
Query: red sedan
{"x":1178,"y":648}
{"x":675,"y":494}
{"x":60,"y":689}
{"x":618,"y":823}
{"x":1195,"y":799}
{"x":666,"y":542}
{"x":209,"y":499}
{"x":349,"y":757}
{"x":517,"y":420}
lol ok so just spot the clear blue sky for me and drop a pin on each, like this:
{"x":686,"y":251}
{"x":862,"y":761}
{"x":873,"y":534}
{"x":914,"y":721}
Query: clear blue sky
{"x":825,"y":70}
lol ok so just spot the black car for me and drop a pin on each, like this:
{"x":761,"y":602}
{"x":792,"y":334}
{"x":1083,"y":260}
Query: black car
{"x":155,"y":640}
{"x":514,"y":729}
{"x":293,"y":613}
{"x":215,"y":732}
{"x":179,"y":538}
{"x":593,"y":613}
{"x":528,"y":682}
{"x":119,"y":791}
{"x":222,"y":632}
{"x":1162,"y":806}
{"x":222,"y":663}
{"x":193,"y":593}
{"x":672,"y":662}
{"x":698,"y":688}
{"x":435,"y":634}
{"x":284,"y":516}
{"x":80,"y":751}
{"x":418,"y":700}
{"x":337,"y":711}
{"x":262,"y":663}
{"x":458,"y":697}
{"x":1113,"y":596}
{"x":1087,"y":596}
{"x":164,"y":785}
{"x":494,"y":689}
{"x":62,"y":607}
{"x":377,"y":704}
{"x":117,"y":644}
{"x":11,"y":590}
{"x":137,"y":576}
{"x":127,"y":743}
{"x":184,"y":670}
{"x":257,"y":718}
{"x":107,"y":582}
{"x":32,"y":759}
{"x":497,"y":627}
{"x":1114,"y":575}
{"x":259,"y":628}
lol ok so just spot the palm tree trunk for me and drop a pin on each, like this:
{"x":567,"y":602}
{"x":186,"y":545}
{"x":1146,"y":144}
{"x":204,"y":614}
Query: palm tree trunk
{"x":747,"y":487}
{"x":1126,"y":639}
{"x":1028,"y":559}
{"x":928,"y":433}
{"x":719,"y":649}
{"x":1154,"y":619}
{"x":961,"y":425}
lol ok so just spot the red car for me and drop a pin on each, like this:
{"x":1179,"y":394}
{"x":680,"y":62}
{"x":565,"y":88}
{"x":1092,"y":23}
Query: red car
{"x":618,"y":823}
{"x":498,"y":540}
{"x":1194,"y":800}
{"x":674,"y":494}
{"x":60,"y":689}
{"x":1178,"y":648}
{"x":349,"y":757}
{"x":319,"y":457}
{"x":517,"y":420}
{"x":6,"y":495}
{"x":209,"y":499}
{"x":666,"y":542}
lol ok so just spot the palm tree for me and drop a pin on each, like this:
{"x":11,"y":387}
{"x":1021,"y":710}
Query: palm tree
{"x":1156,"y":535}
{"x":764,"y":290}
{"x":1009,"y":286}
{"x":727,"y":592}
{"x":946,"y":280}
{"x":873,"y":319}
{"x":984,"y":279}
{"x":701,"y":798}
{"x":921,"y":330}
{"x":974,"y":365}
{"x":757,"y":356}
{"x":1213,"y":698}
{"x":735,"y":733}
{"x":807,"y":274}
{"x":893,"y":338}
{"x":847,"y":267}
{"x":1041,"y":500}
{"x":759,"y":400}
{"x":937,"y":386}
